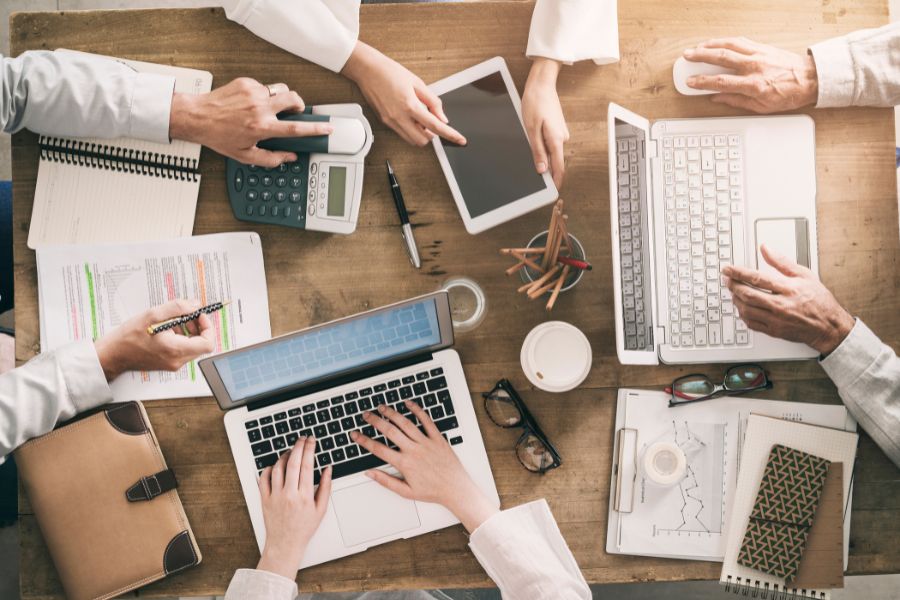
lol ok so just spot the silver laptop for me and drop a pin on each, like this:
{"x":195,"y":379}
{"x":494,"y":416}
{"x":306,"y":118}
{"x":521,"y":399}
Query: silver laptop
{"x":320,"y":381}
{"x":688,"y":196}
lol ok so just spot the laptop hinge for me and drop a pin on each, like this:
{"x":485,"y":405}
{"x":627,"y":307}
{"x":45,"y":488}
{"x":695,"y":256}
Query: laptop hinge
{"x":334,"y":382}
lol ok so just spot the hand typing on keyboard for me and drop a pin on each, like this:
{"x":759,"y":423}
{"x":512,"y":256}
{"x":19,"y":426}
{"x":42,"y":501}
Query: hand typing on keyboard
{"x":430,"y":469}
{"x":291,"y":509}
{"x":793,"y":305}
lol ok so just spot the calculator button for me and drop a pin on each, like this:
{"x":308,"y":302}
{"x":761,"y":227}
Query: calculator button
{"x":267,"y":180}
{"x":314,"y":168}
{"x":274,"y":211}
{"x":312,"y":209}
{"x":252,"y":167}
{"x":324,"y":174}
{"x":287,"y":211}
{"x":296,"y":167}
{"x":262,"y":210}
{"x":252,"y":195}
{"x":312,"y":183}
{"x":252,"y":180}
{"x":281,"y":181}
{"x":322,"y":206}
{"x":322,"y":196}
{"x":322,"y":185}
{"x":249,"y":211}
{"x":266,"y":195}
{"x":281,"y":196}
{"x":296,"y":196}
{"x":295,"y":182}
{"x":312,"y":196}
{"x":282,"y":168}
{"x":239,"y":180}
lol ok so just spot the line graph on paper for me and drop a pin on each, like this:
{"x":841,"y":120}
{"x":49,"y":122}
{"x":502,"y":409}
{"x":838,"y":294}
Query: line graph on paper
{"x":696,"y":506}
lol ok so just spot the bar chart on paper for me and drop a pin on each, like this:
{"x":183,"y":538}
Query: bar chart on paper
{"x":87,"y":291}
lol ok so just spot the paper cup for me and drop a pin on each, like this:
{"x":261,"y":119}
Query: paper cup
{"x":556,"y":357}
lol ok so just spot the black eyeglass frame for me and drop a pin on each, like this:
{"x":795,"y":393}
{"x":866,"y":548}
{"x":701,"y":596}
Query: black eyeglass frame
{"x":721,"y":390}
{"x":527,"y":423}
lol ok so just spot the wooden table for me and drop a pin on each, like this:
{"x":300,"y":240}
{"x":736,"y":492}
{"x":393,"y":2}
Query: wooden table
{"x":859,"y":249}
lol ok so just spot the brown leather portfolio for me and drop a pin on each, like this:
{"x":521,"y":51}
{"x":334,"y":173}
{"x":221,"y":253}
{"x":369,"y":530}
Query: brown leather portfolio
{"x":106,"y":503}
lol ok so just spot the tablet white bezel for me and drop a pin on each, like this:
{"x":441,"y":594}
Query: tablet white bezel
{"x":516,"y":208}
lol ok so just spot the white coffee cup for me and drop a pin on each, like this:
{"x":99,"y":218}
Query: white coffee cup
{"x":556,"y":356}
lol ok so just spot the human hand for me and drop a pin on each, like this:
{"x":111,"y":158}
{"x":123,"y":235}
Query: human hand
{"x":130,"y":348}
{"x":766,"y":79}
{"x":797,"y":308}
{"x":430,"y":469}
{"x":403,"y":101}
{"x":544,"y":119}
{"x":233,"y":118}
{"x":291,"y":510}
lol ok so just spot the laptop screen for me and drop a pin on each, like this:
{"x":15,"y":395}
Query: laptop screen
{"x":333,"y":348}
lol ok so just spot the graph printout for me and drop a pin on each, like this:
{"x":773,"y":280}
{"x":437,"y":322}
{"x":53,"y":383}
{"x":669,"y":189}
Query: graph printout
{"x":87,"y":291}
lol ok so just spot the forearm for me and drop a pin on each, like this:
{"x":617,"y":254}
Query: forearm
{"x":867,"y":375}
{"x":256,"y":584}
{"x":314,"y":30}
{"x":523,"y":551}
{"x":82,"y":95}
{"x":51,"y":388}
{"x":859,"y":69}
{"x":569,"y":31}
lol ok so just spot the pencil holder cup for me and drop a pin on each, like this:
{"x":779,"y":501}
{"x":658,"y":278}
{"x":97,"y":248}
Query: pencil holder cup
{"x":577,"y":251}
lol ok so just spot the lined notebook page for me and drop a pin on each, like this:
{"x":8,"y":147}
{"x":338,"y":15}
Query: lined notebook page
{"x":763,"y":433}
{"x":84,"y":204}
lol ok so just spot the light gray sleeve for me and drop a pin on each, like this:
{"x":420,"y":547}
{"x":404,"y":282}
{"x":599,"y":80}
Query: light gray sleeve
{"x":859,"y":69}
{"x":73,"y":94}
{"x":253,"y":584}
{"x":867,"y":375}
{"x":48,"y":389}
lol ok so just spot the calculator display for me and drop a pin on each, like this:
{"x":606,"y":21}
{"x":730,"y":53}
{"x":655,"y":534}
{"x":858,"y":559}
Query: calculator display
{"x":337,"y":191}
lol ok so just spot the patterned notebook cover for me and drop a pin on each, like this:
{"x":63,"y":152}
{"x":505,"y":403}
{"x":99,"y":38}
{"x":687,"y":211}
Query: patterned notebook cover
{"x":785,"y":506}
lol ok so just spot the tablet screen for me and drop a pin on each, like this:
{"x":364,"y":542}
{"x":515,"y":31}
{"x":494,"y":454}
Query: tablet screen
{"x":495,"y":168}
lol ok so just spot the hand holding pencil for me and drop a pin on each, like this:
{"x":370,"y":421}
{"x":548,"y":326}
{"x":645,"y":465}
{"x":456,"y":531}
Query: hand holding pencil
{"x":130,"y":348}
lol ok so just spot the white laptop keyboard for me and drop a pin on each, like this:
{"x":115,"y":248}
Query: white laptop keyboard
{"x":703,"y":186}
{"x":634,"y":255}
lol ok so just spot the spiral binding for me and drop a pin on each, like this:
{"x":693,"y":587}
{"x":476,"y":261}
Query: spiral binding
{"x":759,"y":589}
{"x":114,"y":158}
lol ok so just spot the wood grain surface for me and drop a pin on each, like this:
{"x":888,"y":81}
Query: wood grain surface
{"x":313,"y":277}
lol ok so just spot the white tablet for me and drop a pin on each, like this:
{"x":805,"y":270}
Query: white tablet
{"x":492,"y":178}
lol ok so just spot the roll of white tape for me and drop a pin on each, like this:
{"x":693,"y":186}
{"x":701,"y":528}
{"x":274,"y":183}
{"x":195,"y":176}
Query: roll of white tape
{"x":664,"y":463}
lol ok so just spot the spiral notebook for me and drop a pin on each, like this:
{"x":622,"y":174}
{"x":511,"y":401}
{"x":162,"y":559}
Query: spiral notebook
{"x":762,"y":434}
{"x":92,"y":190}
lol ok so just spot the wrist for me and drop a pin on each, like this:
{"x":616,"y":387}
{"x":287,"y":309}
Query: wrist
{"x":183,"y":117}
{"x":544,"y":71}
{"x":107,"y":356}
{"x":359,"y":62}
{"x":273,"y":561}
{"x":811,"y":81}
{"x":839,"y":329}
{"x":472,"y":508}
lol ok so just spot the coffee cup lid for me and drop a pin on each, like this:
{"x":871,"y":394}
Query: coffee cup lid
{"x":556,"y":356}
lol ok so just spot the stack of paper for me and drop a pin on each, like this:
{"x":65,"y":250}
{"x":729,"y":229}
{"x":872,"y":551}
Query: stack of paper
{"x":87,"y":291}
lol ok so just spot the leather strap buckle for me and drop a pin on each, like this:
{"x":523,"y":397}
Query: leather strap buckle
{"x":148,"y":488}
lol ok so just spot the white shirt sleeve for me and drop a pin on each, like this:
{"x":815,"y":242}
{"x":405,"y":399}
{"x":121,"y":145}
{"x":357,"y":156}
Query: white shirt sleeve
{"x":867,"y":375}
{"x":321,"y":31}
{"x":574,"y":30}
{"x":74,"y":94}
{"x":523,"y":551}
{"x":50,"y":388}
{"x":253,"y":584}
{"x":859,"y":69}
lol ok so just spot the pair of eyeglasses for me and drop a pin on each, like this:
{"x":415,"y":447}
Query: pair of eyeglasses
{"x":506,"y":409}
{"x":740,"y":379}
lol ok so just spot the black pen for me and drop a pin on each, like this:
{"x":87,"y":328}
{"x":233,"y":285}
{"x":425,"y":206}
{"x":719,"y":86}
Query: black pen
{"x":405,"y":228}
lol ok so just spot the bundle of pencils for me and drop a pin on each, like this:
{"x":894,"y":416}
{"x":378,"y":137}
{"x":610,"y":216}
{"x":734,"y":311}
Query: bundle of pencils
{"x":552,"y":262}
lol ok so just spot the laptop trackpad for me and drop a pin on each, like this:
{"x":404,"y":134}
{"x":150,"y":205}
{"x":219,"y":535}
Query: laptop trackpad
{"x":367,"y":512}
{"x":789,"y":237}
